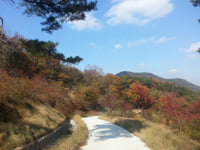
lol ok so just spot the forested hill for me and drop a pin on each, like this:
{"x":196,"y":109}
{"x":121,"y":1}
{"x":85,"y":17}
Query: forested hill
{"x":177,"y":81}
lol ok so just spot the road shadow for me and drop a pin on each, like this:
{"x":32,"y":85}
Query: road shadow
{"x":108,"y":131}
{"x":131,"y":125}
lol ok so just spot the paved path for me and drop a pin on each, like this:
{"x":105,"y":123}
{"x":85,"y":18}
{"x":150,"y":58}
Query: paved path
{"x":104,"y":135}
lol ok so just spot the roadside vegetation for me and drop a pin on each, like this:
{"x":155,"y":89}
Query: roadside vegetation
{"x":156,"y":136}
{"x":37,"y":123}
{"x":33,"y":101}
{"x":75,"y":140}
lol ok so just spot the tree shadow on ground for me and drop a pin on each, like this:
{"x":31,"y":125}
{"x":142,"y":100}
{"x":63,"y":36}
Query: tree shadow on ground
{"x":109,"y":131}
{"x":131,"y":125}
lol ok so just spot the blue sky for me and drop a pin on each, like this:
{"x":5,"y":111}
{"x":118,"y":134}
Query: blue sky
{"x":157,"y":36}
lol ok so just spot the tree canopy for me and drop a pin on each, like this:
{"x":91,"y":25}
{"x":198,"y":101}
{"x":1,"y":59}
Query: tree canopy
{"x":43,"y":49}
{"x":55,"y":12}
{"x":196,"y":2}
{"x":74,"y":60}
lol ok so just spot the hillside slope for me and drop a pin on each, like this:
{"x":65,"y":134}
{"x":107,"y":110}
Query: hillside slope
{"x":36,"y":123}
{"x":177,"y":81}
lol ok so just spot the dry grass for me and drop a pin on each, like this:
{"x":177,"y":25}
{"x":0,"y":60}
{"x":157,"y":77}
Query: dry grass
{"x":156,"y":136}
{"x":75,"y":140}
{"x":45,"y":116}
{"x":35,"y":124}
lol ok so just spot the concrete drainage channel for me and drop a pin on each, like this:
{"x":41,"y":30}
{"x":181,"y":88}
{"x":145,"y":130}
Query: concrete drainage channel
{"x":49,"y":138}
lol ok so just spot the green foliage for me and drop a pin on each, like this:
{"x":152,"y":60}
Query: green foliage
{"x":55,"y":12}
{"x":49,"y":62}
{"x":74,"y":60}
{"x":154,"y":84}
{"x":39,"y":49}
{"x":196,"y":2}
{"x":193,"y":130}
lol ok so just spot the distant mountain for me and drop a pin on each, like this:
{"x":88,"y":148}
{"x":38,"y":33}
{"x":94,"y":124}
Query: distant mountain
{"x":177,"y":81}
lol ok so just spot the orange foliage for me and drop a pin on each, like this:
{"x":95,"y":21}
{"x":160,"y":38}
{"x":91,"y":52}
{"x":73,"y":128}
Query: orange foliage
{"x":111,"y":84}
{"x":139,"y":95}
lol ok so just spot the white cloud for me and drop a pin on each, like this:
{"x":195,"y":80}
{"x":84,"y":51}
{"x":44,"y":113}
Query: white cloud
{"x":117,"y":46}
{"x":90,"y":22}
{"x":137,"y":11}
{"x":173,"y":71}
{"x":150,"y":40}
{"x":139,"y":42}
{"x":191,"y":51}
{"x":163,"y":39}
{"x":193,"y":47}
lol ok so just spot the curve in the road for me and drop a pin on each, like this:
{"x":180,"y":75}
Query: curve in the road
{"x":104,"y":135}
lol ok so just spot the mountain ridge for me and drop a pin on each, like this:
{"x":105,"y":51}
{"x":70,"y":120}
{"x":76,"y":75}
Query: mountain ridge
{"x":177,"y":81}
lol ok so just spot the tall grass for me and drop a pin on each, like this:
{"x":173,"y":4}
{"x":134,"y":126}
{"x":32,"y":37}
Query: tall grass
{"x":75,"y":140}
{"x":156,"y":136}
